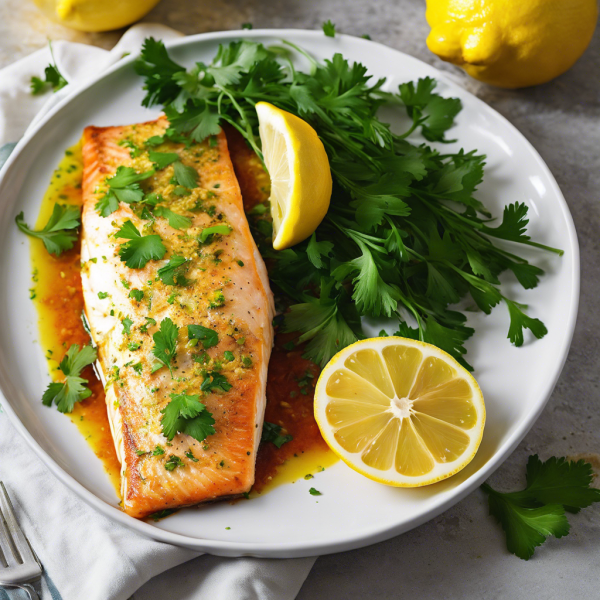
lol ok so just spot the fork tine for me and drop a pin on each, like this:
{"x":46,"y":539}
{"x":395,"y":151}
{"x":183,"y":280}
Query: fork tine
{"x":21,"y":550}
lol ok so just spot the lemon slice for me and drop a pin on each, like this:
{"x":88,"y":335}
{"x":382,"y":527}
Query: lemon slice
{"x":400,"y":412}
{"x":300,"y":176}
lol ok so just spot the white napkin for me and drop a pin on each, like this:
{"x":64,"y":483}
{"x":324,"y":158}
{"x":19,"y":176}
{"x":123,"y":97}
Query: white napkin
{"x":85,"y":555}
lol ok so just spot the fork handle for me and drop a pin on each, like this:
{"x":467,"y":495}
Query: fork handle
{"x":28,"y":588}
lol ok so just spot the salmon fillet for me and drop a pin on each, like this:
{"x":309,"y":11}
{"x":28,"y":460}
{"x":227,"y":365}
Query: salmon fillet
{"x":223,"y":287}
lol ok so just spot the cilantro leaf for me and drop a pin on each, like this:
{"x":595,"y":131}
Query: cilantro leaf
{"x":272,"y":433}
{"x":208,"y":337}
{"x":162,"y":160}
{"x":59,"y":234}
{"x":165,"y":343}
{"x":74,"y":388}
{"x":186,"y":414}
{"x":176,"y":221}
{"x":173,"y":273}
{"x":185,"y":175}
{"x":123,"y":186}
{"x":140,"y":248}
{"x":528,"y":517}
{"x":519,"y":321}
{"x":329,"y":29}
{"x":52,"y":80}
{"x":215,"y":381}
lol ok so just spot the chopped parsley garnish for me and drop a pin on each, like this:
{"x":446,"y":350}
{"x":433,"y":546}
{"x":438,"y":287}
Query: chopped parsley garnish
{"x":134,"y":346}
{"x":162,"y":160}
{"x":214,"y":381}
{"x":186,"y":414}
{"x":208,"y":233}
{"x":528,"y":517}
{"x":208,"y":337}
{"x":229,"y":356}
{"x":123,"y":186}
{"x":176,"y":221}
{"x":405,"y":233}
{"x":165,"y":343}
{"x":329,"y":29}
{"x":158,"y":451}
{"x":173,"y":273}
{"x":314,"y":492}
{"x":103,"y":295}
{"x":246,"y":362}
{"x":136,"y":295}
{"x":271,"y":432}
{"x":149,"y":321}
{"x":173,"y":462}
{"x":140,"y":248}
{"x":185,"y":176}
{"x":191,"y":456}
{"x":60,"y":232}
{"x":127,"y":323}
{"x":134,"y":150}
{"x":74,"y":388}
{"x":218,"y":300}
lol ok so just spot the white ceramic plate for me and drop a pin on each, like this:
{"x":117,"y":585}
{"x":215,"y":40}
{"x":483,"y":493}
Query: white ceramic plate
{"x":352,"y":511}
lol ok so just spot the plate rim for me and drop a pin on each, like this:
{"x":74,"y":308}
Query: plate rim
{"x":361,"y":538}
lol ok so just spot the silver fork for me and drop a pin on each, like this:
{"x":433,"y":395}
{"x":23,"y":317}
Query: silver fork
{"x":19,"y":565}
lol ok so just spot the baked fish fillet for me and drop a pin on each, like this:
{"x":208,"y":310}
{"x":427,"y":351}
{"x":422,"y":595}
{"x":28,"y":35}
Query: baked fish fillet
{"x":223,"y":286}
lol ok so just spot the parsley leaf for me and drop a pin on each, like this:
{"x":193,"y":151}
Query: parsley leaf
{"x":165,"y":343}
{"x":59,"y":234}
{"x":123,"y":186}
{"x":215,"y":381}
{"x":74,"y":389}
{"x":162,"y":159}
{"x":127,"y":323}
{"x":519,"y":321}
{"x":314,"y":492}
{"x":140,"y":248}
{"x":173,"y":273}
{"x":185,"y":176}
{"x":528,"y":517}
{"x":176,"y":221}
{"x":173,"y":462}
{"x":207,"y":233}
{"x":208,"y":337}
{"x":272,"y":433}
{"x":52,"y":79}
{"x":186,"y":414}
{"x":329,"y":29}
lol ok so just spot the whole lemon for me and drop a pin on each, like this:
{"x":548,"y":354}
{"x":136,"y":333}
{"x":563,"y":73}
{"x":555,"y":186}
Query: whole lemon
{"x":96,"y":15}
{"x":511,"y":43}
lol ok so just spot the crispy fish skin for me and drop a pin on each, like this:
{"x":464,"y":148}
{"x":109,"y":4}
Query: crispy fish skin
{"x":229,"y":293}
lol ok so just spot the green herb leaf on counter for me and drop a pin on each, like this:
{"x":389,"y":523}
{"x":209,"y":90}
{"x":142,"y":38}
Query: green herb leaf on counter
{"x":272,"y":433}
{"x":74,"y":388}
{"x":208,"y":337}
{"x":405,"y":236}
{"x":528,"y":517}
{"x":60,"y":232}
{"x":186,"y":414}
{"x":140,"y":248}
{"x":165,"y":343}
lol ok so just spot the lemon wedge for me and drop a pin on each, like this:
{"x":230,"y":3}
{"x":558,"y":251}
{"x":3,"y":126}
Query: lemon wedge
{"x":400,"y":412}
{"x":300,"y":176}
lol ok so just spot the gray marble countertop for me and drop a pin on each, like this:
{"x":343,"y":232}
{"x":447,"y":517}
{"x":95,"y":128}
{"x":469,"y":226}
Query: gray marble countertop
{"x":462,"y":553}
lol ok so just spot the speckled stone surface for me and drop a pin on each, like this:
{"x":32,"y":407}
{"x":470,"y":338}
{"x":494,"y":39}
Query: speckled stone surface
{"x":462,"y":553}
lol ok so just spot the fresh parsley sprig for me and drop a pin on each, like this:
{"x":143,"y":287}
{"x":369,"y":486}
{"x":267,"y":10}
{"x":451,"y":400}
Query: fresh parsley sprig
{"x":53,"y":79}
{"x":405,"y":236}
{"x":60,"y":232}
{"x":74,"y":389}
{"x":528,"y":517}
{"x":123,"y":186}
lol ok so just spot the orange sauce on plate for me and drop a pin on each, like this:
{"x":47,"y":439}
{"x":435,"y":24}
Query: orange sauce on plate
{"x":58,"y":296}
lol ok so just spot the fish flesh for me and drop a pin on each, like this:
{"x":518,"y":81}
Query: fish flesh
{"x":220,"y":285}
